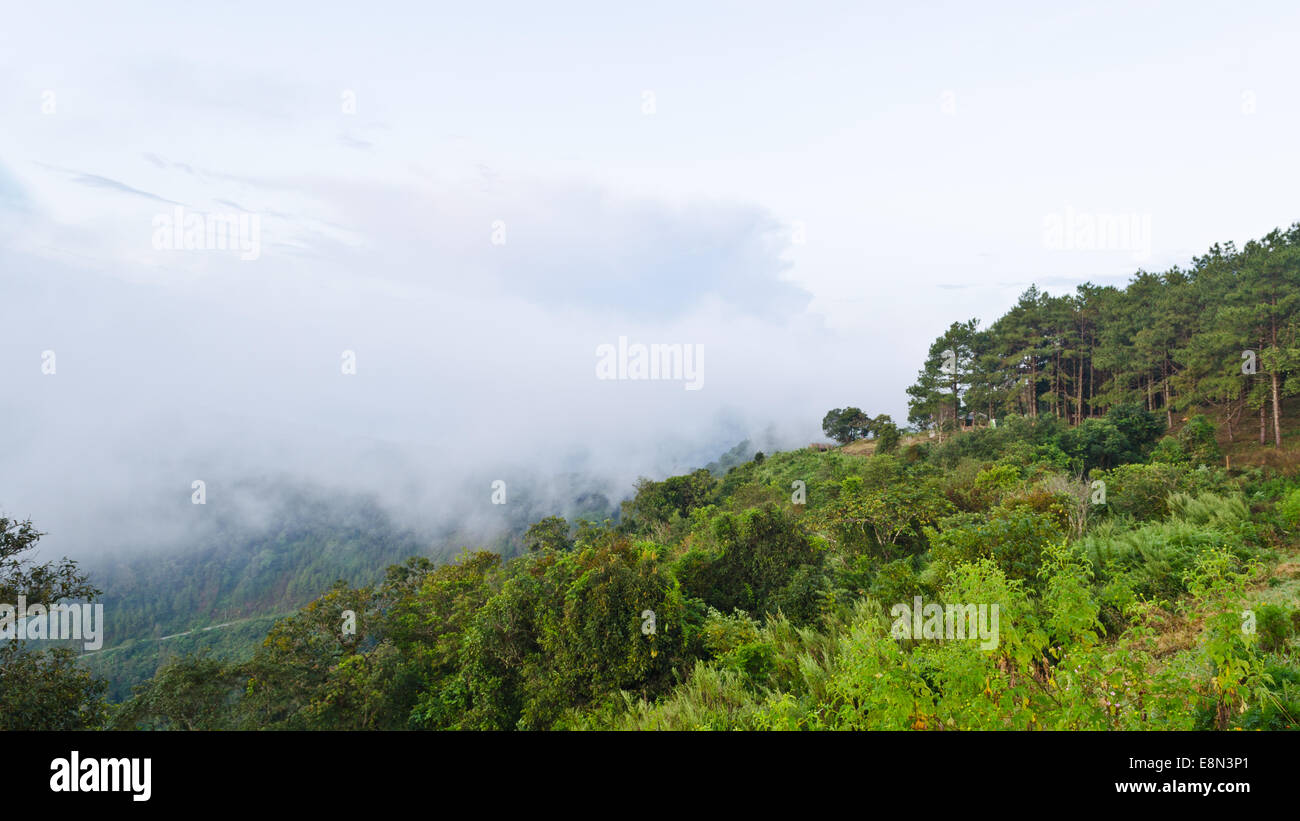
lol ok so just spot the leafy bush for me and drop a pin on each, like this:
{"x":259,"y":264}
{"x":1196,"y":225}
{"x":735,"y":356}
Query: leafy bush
{"x":1013,"y":537}
{"x":895,"y":582}
{"x":884,"y":521}
{"x":1198,"y":442}
{"x":656,"y":502}
{"x":1273,"y":625}
{"x":800,"y":600}
{"x":1139,"y":491}
{"x":1125,"y":434}
{"x":1289,"y":509}
{"x":887,"y":437}
{"x":1170,"y":451}
{"x":761,"y":550}
{"x":998,"y":478}
{"x":755,"y":662}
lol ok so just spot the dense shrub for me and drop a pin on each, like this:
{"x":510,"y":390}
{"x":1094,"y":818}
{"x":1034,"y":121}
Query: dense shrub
{"x":1273,"y":625}
{"x":1197,"y":440}
{"x":1013,"y":537}
{"x":1170,"y":451}
{"x":1140,"y":491}
{"x":1125,"y":434}
{"x":1289,"y":509}
{"x":657,"y":502}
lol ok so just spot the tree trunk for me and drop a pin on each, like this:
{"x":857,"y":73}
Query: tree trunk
{"x":1277,"y":412}
{"x":1033,"y":389}
{"x":1092,"y":383}
{"x":1277,"y":400}
{"x":1169,"y":408}
{"x":1056,"y":384}
{"x":1078,"y":402}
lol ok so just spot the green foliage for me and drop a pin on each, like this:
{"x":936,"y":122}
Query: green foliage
{"x":1153,"y":560}
{"x":737,"y":456}
{"x":47,"y":690}
{"x":1289,"y":509}
{"x":1170,"y":451}
{"x":1164,"y":343}
{"x":557,"y":637}
{"x":187,"y":693}
{"x":769,"y":612}
{"x":42,"y":689}
{"x":1273,"y":623}
{"x":801,"y":599}
{"x":997,"y":479}
{"x":46,"y":583}
{"x":1140,"y":491}
{"x":551,"y":533}
{"x":1126,"y":434}
{"x":896,"y":582}
{"x":887,"y":434}
{"x":1217,"y":581}
{"x":760,"y":552}
{"x":1198,"y":442}
{"x":884,"y":518}
{"x":1012,"y":537}
{"x":845,"y":425}
{"x":656,"y":503}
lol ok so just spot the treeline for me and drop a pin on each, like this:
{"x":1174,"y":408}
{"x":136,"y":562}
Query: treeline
{"x":1222,"y":335}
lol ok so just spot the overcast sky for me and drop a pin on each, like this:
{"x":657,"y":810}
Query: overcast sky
{"x":472,"y":200}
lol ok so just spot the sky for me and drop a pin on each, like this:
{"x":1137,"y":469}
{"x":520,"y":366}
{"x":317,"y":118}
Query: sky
{"x":470,"y":202}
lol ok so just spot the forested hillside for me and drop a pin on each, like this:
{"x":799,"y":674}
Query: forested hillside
{"x":1085,"y":474}
{"x":1070,"y":471}
{"x":220,"y":595}
{"x":724,"y":604}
